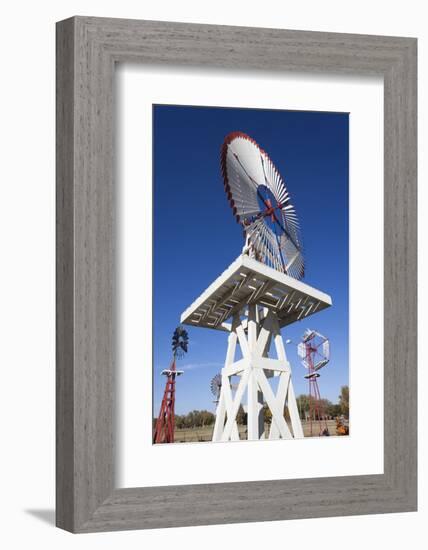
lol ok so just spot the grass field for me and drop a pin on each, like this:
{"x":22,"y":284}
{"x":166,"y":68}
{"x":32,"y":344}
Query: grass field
{"x":193,"y":435}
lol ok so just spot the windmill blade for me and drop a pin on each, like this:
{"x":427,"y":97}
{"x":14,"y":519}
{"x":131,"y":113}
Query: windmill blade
{"x":261,"y":204}
{"x":180,"y":342}
{"x":295,"y":266}
{"x":215,"y":385}
{"x":314,"y":350}
{"x":301,"y":350}
{"x":326,"y":349}
{"x":308,"y":335}
{"x":320,"y":364}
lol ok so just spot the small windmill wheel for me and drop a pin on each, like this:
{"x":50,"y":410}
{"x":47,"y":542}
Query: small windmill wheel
{"x":180,"y":342}
{"x":215,"y":386}
{"x":261,"y":204}
{"x":314,"y":352}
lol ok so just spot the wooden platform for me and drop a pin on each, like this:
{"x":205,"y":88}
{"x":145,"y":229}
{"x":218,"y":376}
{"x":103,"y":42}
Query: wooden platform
{"x":247,"y":281}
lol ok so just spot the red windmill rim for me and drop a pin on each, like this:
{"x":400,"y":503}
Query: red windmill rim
{"x":223,"y":154}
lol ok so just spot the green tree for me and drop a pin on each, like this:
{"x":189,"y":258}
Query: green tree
{"x":303,"y":405}
{"x":344,"y":401}
{"x":178,"y":421}
{"x":334,"y":410}
{"x":267,"y":414}
{"x":304,"y":402}
{"x":206,"y":418}
{"x":241,"y":417}
{"x":326,"y":405}
{"x":194,"y":419}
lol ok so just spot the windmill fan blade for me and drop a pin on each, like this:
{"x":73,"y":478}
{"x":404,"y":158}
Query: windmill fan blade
{"x":180,"y":342}
{"x":326,"y":349}
{"x":215,"y":385}
{"x":308,"y":335}
{"x":261,"y":204}
{"x":301,"y":350}
{"x":314,"y":350}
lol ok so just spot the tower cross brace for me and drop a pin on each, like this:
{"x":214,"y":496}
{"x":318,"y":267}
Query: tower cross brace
{"x":254,"y":332}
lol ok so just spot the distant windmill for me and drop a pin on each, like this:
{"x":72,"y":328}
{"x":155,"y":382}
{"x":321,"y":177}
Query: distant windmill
{"x":165,"y":424}
{"x":314,"y":352}
{"x":215,"y":386}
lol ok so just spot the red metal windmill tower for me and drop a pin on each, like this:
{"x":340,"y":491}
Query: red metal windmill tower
{"x":314,"y":351}
{"x":165,"y":424}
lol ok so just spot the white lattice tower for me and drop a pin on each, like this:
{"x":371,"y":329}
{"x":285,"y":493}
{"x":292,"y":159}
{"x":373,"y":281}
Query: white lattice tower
{"x":252,"y":302}
{"x":254,"y":334}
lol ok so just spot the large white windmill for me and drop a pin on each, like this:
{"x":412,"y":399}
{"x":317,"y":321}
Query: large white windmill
{"x":257,"y":295}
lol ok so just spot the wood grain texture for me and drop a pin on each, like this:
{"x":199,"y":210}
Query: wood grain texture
{"x":87,"y":50}
{"x":64,"y":277}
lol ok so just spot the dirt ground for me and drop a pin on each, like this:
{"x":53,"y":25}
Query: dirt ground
{"x":193,"y":435}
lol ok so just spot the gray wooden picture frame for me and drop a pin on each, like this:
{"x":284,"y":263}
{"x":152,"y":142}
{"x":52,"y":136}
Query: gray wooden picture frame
{"x":87,"y":51}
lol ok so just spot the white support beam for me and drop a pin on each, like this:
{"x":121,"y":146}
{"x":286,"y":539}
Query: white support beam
{"x":267,"y":363}
{"x":233,"y":411}
{"x":296,"y":423}
{"x":247,"y":281}
{"x":275,"y":408}
{"x":254,"y":335}
{"x":263,"y":341}
{"x":281,"y":396}
{"x":225,"y":401}
{"x":235,"y":368}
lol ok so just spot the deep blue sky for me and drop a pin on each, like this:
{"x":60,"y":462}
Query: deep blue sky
{"x":196,"y":236}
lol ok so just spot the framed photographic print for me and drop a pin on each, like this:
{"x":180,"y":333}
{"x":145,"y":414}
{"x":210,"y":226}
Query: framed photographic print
{"x":236,"y":274}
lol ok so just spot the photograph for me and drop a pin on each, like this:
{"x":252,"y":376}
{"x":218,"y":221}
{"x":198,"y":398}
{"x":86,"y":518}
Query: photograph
{"x":210,"y":266}
{"x":251,"y":274}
